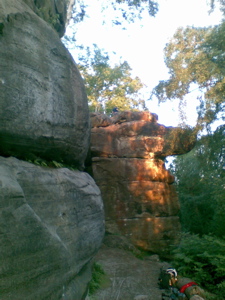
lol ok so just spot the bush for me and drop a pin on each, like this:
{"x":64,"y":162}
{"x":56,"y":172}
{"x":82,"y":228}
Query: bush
{"x":202,"y":259}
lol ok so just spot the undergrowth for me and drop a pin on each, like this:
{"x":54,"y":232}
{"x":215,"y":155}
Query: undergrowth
{"x":203,"y":260}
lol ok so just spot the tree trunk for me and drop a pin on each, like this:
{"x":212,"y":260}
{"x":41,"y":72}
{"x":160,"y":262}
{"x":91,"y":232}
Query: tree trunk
{"x":69,"y":10}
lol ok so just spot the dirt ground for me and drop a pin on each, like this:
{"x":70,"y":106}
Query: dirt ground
{"x":128,"y":277}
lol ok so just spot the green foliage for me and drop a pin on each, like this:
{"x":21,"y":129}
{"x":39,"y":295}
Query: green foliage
{"x":79,"y":10}
{"x":200,"y":184}
{"x":195,"y":58}
{"x":126,"y":10}
{"x":108,"y":86}
{"x":45,"y":14}
{"x":44,"y":163}
{"x":130,"y":10}
{"x":203,"y":260}
{"x":97,"y":278}
{"x":221,"y":4}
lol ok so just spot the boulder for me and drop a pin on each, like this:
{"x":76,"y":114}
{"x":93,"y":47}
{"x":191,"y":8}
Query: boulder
{"x":103,"y":120}
{"x":100,"y":120}
{"x":43,"y":104}
{"x":139,"y":139}
{"x":52,"y":224}
{"x":139,"y":197}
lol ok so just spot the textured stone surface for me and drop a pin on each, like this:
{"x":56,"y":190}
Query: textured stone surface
{"x":51,"y":225}
{"x":139,"y":139}
{"x":139,"y":199}
{"x":131,"y":169}
{"x":43,"y":104}
{"x":130,"y":278}
{"x":102,"y":120}
{"x":52,"y":11}
{"x":139,"y":202}
{"x":131,"y":199}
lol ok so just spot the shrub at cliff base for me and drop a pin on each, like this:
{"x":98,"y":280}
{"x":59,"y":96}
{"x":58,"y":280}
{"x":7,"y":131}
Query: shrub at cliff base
{"x":203,"y":260}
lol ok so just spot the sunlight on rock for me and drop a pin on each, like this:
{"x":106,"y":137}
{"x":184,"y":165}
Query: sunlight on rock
{"x":137,"y":190}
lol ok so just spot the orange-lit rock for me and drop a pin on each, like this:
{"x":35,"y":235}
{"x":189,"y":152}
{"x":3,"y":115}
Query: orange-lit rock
{"x":127,"y":163}
{"x":130,"y":169}
{"x":102,"y":120}
{"x":140,"y":139}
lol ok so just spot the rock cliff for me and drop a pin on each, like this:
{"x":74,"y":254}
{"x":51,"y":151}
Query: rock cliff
{"x":43,"y":104}
{"x":51,"y":220}
{"x":54,"y":12}
{"x":140,"y":201}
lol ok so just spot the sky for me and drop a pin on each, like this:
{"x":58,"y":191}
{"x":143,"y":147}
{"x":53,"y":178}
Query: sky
{"x":142,"y":44}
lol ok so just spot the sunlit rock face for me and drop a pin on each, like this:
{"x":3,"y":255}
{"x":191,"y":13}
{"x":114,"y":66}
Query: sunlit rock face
{"x":43,"y":104}
{"x":127,"y":163}
{"x":51,"y":224}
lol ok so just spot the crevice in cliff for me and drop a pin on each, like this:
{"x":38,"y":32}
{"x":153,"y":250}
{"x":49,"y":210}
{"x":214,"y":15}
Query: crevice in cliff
{"x":1,"y":28}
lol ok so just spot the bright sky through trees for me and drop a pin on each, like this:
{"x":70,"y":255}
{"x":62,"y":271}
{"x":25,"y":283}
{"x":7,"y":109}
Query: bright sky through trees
{"x":142,"y":43}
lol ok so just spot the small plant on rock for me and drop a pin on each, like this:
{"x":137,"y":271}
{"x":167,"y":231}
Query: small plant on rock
{"x":97,"y":278}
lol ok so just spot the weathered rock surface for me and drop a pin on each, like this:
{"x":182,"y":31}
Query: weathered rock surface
{"x":127,"y":277}
{"x":52,"y":224}
{"x":140,"y":201}
{"x":102,"y":120}
{"x":51,"y":220}
{"x":139,"y":138}
{"x":43,"y":104}
{"x":52,"y":11}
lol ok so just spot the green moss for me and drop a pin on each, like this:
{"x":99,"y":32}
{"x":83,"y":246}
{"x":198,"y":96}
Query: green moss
{"x":46,"y":15}
{"x":99,"y":279}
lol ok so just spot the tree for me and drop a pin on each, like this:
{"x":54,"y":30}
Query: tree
{"x":195,"y":59}
{"x":127,"y":10}
{"x":109,"y":86}
{"x":221,"y":4}
{"x":200,"y":182}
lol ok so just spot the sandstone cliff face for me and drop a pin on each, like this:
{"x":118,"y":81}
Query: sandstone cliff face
{"x":51,"y":220}
{"x":53,"y":12}
{"x":52,"y":224}
{"x":43,"y":104}
{"x":127,"y":163}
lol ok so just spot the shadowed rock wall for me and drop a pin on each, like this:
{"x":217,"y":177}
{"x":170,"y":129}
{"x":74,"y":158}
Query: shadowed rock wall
{"x":140,"y":201}
{"x":43,"y":104}
{"x":51,"y":220}
{"x":52,"y":224}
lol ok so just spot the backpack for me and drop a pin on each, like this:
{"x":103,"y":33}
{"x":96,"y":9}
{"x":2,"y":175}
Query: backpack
{"x":167,"y":278}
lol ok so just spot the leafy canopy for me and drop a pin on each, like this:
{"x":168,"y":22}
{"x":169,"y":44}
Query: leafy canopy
{"x":221,"y":5}
{"x":126,"y":10}
{"x":195,"y":58}
{"x":200,"y":183}
{"x":109,"y":86}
